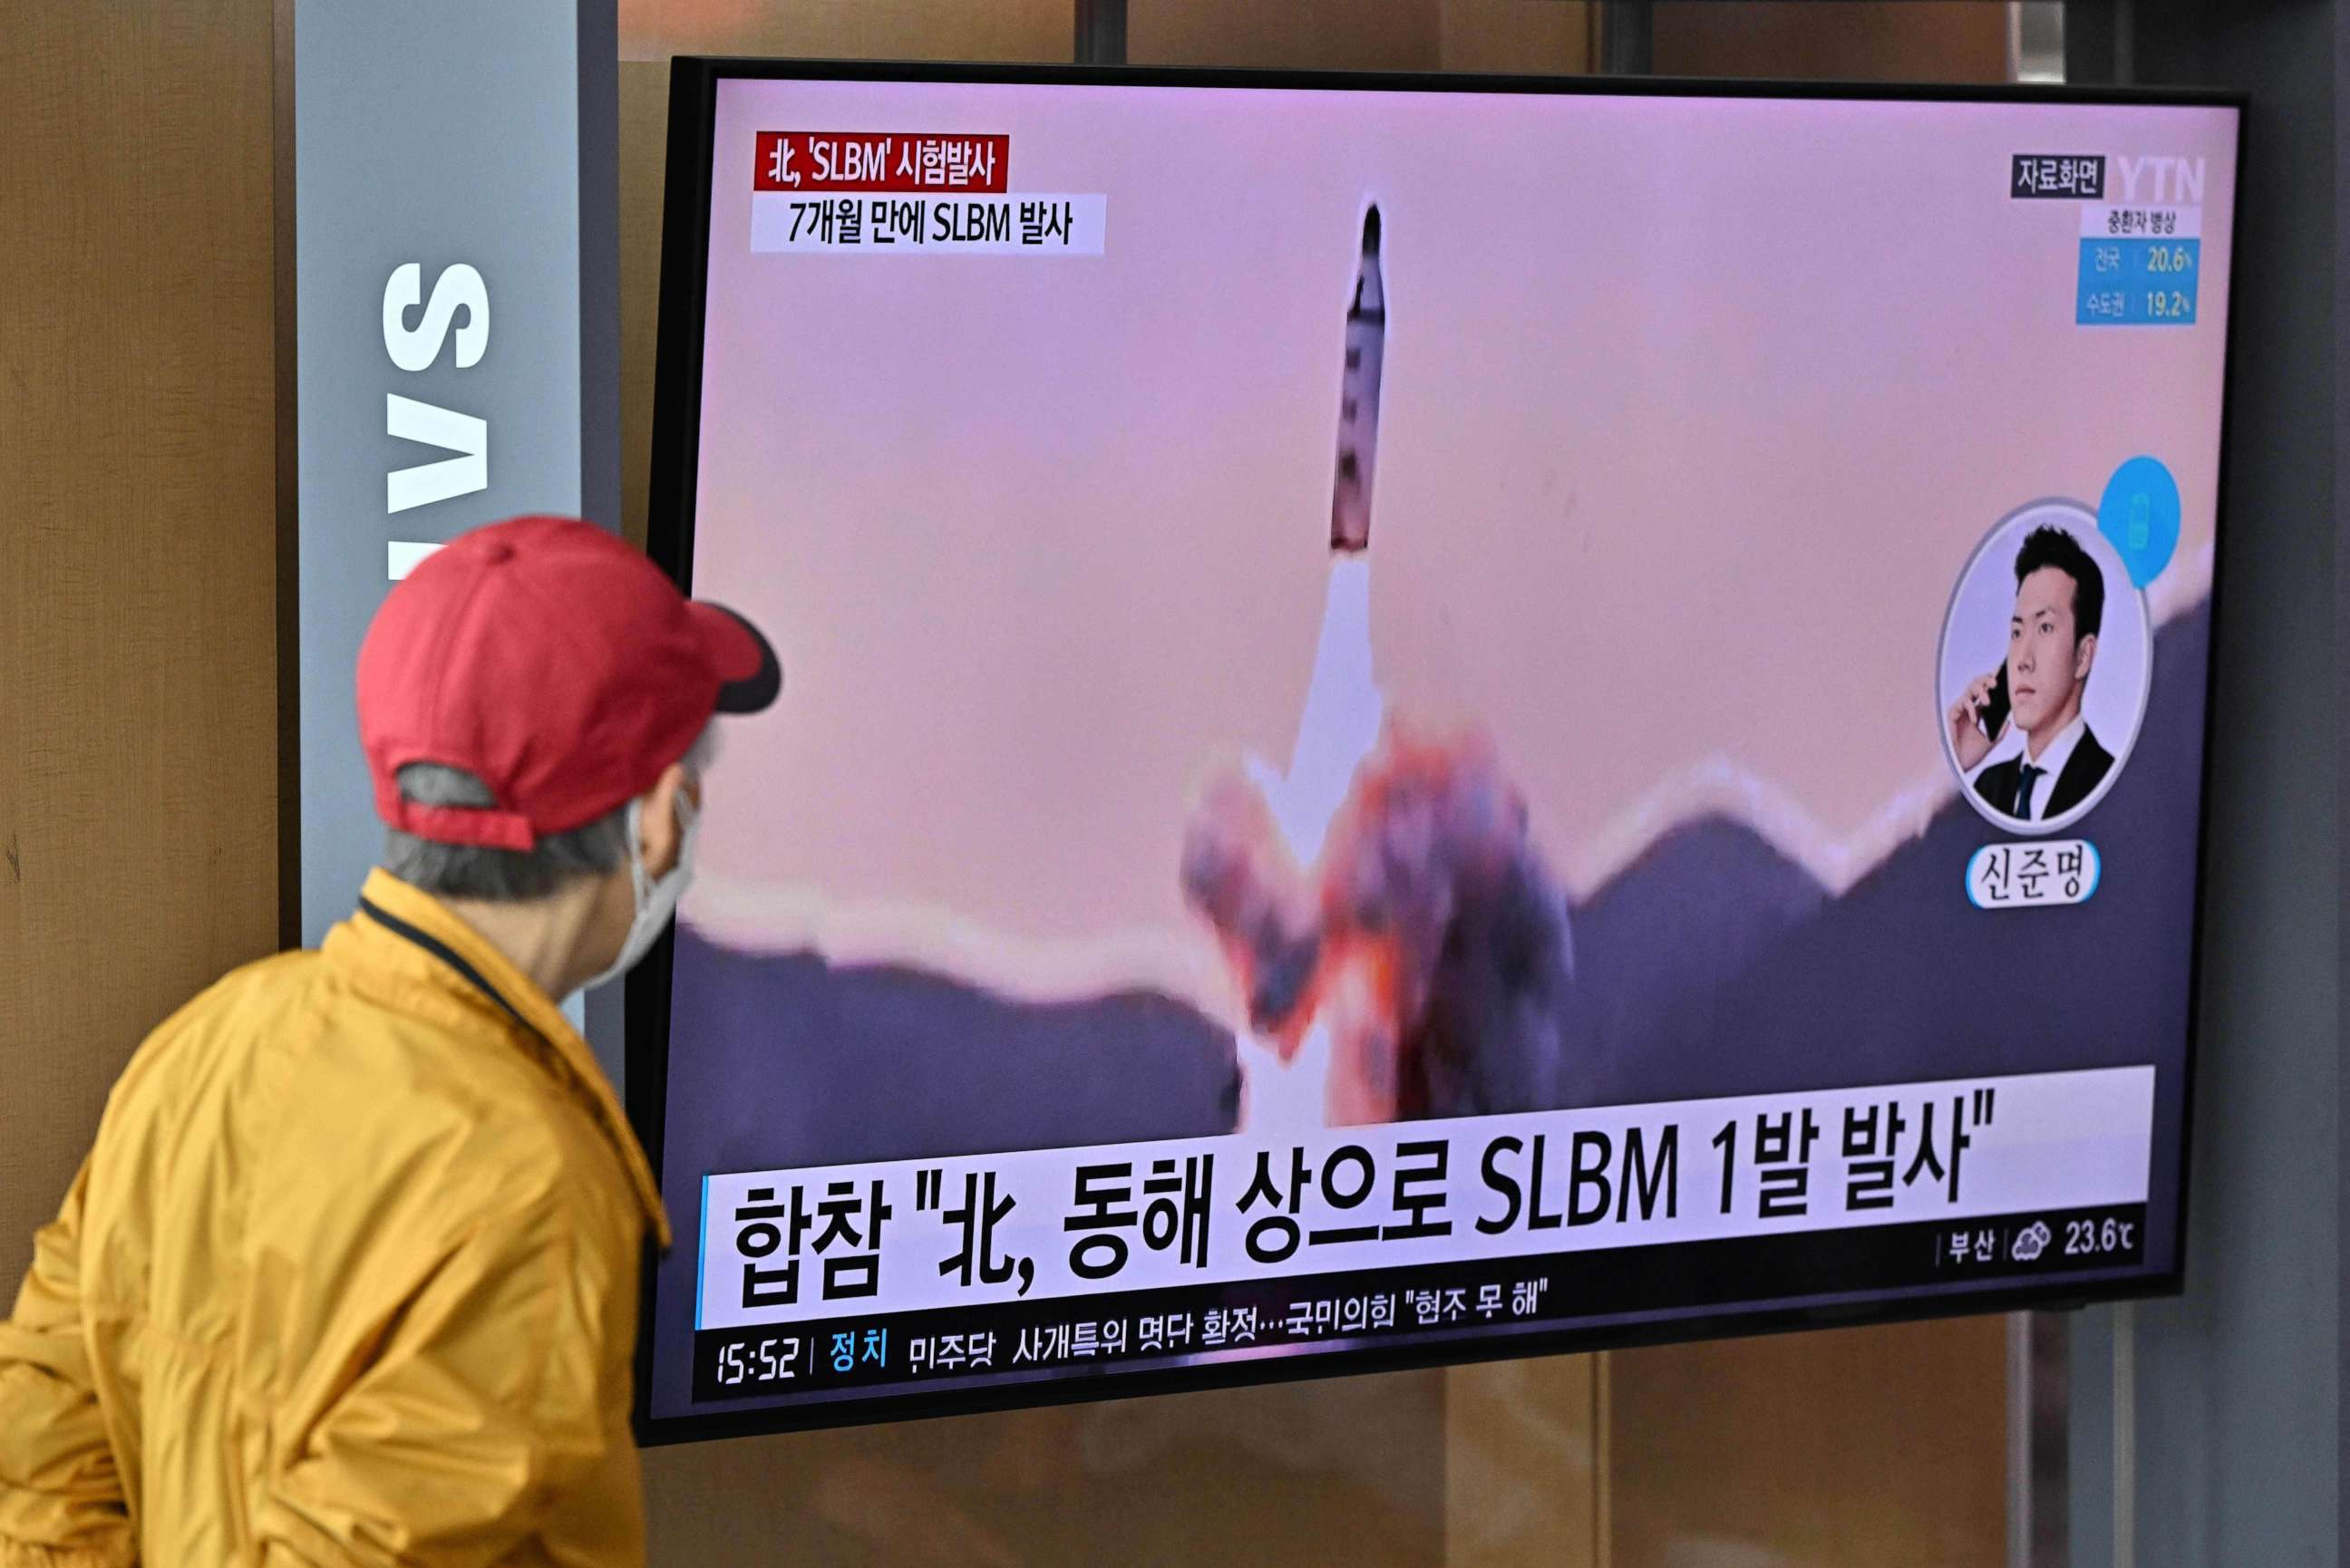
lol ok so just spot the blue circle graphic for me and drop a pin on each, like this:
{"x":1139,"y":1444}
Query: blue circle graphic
{"x":2140,"y":513}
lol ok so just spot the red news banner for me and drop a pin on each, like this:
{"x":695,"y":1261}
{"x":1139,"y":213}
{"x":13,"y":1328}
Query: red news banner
{"x":908,"y":193}
{"x":835,"y":162}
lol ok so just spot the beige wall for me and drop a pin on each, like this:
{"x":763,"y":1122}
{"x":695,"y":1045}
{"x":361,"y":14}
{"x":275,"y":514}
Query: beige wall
{"x":1349,"y":1472}
{"x":138,"y":570}
{"x":1512,"y":37}
{"x":1854,"y":1450}
{"x":1320,"y":35}
{"x":1832,"y":40}
{"x":849,"y":29}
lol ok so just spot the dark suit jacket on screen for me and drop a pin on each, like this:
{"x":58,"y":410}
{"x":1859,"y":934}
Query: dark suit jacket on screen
{"x":2083,"y":772}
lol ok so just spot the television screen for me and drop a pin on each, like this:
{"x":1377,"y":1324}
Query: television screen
{"x":1423,"y":719}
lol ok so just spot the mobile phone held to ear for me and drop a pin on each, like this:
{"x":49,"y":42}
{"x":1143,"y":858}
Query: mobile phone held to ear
{"x":1992,"y":714}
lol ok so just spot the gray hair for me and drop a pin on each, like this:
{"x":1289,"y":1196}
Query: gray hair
{"x":510,"y":876}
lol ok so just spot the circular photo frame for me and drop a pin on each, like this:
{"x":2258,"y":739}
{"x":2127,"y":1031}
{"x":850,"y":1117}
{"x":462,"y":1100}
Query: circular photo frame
{"x":2046,"y":660}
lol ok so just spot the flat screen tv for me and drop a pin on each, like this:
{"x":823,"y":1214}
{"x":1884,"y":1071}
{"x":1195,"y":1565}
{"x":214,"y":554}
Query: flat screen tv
{"x":1424,"y":718}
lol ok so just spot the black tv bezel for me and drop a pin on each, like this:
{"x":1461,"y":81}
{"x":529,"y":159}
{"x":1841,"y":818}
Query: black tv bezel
{"x":676,"y":440}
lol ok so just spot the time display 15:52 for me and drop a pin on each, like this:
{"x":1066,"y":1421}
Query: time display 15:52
{"x":772,"y":1360}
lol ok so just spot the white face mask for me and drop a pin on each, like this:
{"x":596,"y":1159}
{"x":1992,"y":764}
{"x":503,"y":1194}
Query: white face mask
{"x":656,"y":900}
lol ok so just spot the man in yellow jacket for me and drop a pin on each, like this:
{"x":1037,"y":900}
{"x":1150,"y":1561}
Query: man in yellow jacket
{"x":350,"y":1274}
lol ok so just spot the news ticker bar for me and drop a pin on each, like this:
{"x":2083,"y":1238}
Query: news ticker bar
{"x":1361,"y":1309}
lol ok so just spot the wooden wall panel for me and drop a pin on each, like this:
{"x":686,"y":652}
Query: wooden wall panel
{"x":1306,"y":35}
{"x":1847,"y":1449}
{"x":1525,"y":1464}
{"x":1348,"y":1471}
{"x":138,"y":575}
{"x":1832,"y":40}
{"x":850,"y":30}
{"x":1515,"y":37}
{"x":644,"y":152}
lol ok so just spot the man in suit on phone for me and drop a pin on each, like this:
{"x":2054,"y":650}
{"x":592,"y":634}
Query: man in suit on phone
{"x":2052,"y":644}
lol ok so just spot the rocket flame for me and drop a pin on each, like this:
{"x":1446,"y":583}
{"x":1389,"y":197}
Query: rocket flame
{"x":1251,"y":838}
{"x":1381,"y":908}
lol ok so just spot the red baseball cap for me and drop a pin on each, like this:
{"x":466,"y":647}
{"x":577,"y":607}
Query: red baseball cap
{"x":555,"y":663}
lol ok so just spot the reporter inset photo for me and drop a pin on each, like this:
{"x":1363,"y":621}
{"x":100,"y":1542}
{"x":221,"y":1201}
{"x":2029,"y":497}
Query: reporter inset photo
{"x":2045,"y":661}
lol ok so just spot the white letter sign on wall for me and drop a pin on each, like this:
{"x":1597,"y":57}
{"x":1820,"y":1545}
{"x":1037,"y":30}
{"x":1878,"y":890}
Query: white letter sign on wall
{"x":445,"y":150}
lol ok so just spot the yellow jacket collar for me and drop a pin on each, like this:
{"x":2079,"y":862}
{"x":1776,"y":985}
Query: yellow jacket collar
{"x":409,"y":925}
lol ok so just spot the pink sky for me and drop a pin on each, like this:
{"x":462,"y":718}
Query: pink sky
{"x":1693,"y":411}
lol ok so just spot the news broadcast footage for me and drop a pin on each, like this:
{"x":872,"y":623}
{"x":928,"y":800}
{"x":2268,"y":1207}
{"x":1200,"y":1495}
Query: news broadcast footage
{"x":1420,"y":720}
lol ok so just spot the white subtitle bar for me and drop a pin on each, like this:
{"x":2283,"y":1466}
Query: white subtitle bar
{"x":786,"y":1246}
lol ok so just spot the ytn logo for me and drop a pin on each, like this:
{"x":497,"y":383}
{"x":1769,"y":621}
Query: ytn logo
{"x":458,"y":288}
{"x":2160,"y":181}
